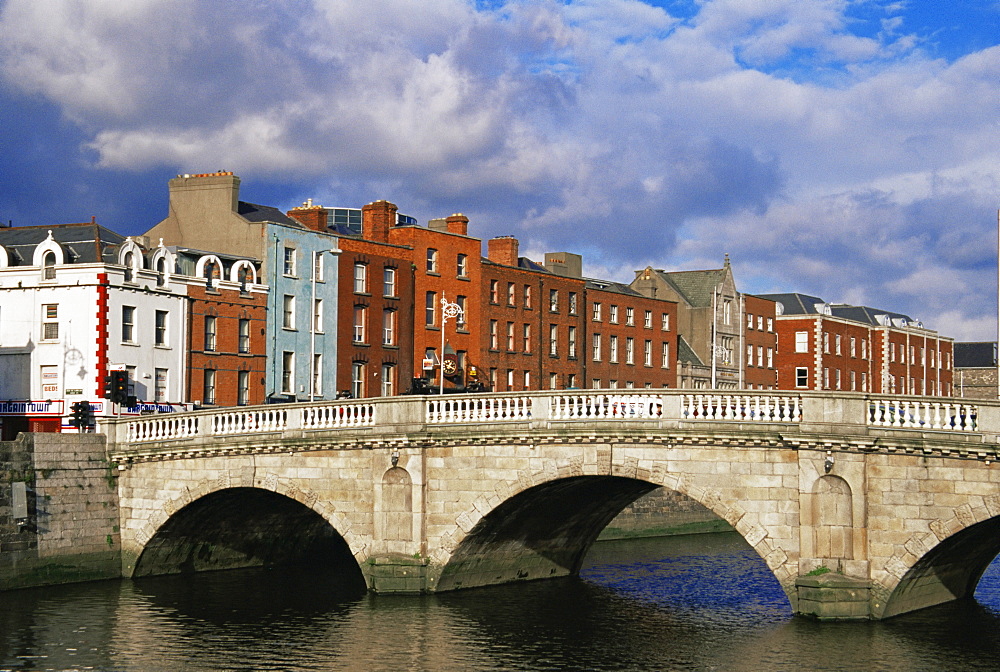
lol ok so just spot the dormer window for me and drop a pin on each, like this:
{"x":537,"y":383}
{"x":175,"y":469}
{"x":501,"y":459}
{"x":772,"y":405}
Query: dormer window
{"x":129,"y":274}
{"x":161,"y":272}
{"x":49,"y":266}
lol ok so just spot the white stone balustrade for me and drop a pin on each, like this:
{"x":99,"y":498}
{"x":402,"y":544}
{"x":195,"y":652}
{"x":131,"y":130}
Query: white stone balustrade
{"x":443,"y":410}
{"x":937,"y":414}
{"x":746,"y":407}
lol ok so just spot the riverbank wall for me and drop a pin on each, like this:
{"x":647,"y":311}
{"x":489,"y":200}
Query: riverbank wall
{"x":70,"y":530}
{"x":663,"y":513}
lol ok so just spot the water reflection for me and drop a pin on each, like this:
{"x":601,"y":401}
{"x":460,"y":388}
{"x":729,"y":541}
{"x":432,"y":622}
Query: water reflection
{"x":696,"y":603}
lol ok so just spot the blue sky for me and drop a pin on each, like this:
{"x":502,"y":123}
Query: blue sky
{"x":847,"y":149}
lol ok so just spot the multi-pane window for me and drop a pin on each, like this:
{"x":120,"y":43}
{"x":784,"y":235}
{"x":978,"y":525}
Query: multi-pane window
{"x":749,"y":355}
{"x":571,"y":337}
{"x":388,"y":380}
{"x":317,"y":374}
{"x":210,"y":333}
{"x":597,"y":311}
{"x":665,"y":322}
{"x":613,"y":314}
{"x":242,"y":388}
{"x":647,"y":353}
{"x":160,"y":328}
{"x":665,"y":356}
{"x":770,"y":324}
{"x":358,"y":379}
{"x":770,"y":358}
{"x":749,"y":321}
{"x":801,"y":376}
{"x":554,"y":300}
{"x":527,"y":297}
{"x":727,"y":311}
{"x":389,"y":281}
{"x":49,"y":266}
{"x":244,"y":336}
{"x":760,"y":323}
{"x":572,"y":303}
{"x":318,"y":266}
{"x":208,"y":396}
{"x":801,"y":341}
{"x":647,"y":320}
{"x":432,"y":260}
{"x":430,"y":309}
{"x":629,"y":350}
{"x":826,"y":343}
{"x":554,"y":340}
{"x":360,"y":320}
{"x":460,"y":318}
{"x":361,"y":278}
{"x":553,"y":381}
{"x":318,"y":316}
{"x":760,"y":355}
{"x":289,"y":266}
{"x":526,"y":339}
{"x":128,"y":324}
{"x":494,"y":296}
{"x":160,"y":385}
{"x":494,"y":344}
{"x":629,"y":317}
{"x":288,"y":312}
{"x":510,"y":336}
{"x":527,"y":380}
{"x":388,"y":327}
{"x":613,"y":349}
{"x":510,"y":293}
{"x":463,"y":265}
{"x":836,"y":344}
{"x":50,"y":321}
{"x":597,"y":347}
{"x":287,"y":371}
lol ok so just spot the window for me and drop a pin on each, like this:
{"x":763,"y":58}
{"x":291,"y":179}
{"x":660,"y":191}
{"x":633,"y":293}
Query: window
{"x":161,"y":272}
{"x":389,"y":281}
{"x":571,"y":381}
{"x":801,"y":376}
{"x":50,"y":323}
{"x":597,"y":347}
{"x":571,"y":351}
{"x":289,"y":267}
{"x":647,"y":320}
{"x":527,"y":380}
{"x":318,"y":316}
{"x":128,"y":324}
{"x":388,"y":380}
{"x":727,"y":312}
{"x":572,"y":303}
{"x":510,"y":336}
{"x":864,"y":381}
{"x":553,"y":340}
{"x":388,"y":327}
{"x":665,"y":322}
{"x":749,"y":321}
{"x":852,"y":350}
{"x":613,"y":349}
{"x":826,"y":379}
{"x":770,"y":324}
{"x":864,"y":349}
{"x":760,"y":356}
{"x":318,"y":266}
{"x":595,"y":383}
{"x":160,"y":385}
{"x":836,"y":344}
{"x":749,"y":355}
{"x":801,"y":341}
{"x":160,"y":328}
{"x":597,"y":311}
{"x":665,"y":356}
{"x":432,"y":260}
{"x":242,"y":388}
{"x":554,"y":300}
{"x":360,"y":320}
{"x":494,"y":296}
{"x":493,"y":335}
{"x":210,"y":333}
{"x":510,"y":379}
{"x":647,"y":353}
{"x":553,"y":381}
{"x":853,"y":382}
{"x":208,"y":394}
{"x":460,"y":318}
{"x":760,"y":323}
{"x":510,"y":293}
{"x":613,"y":384}
{"x":629,"y":317}
{"x":358,"y":379}
{"x":129,"y":273}
{"x":526,"y":339}
{"x":629,"y":350}
{"x":244,"y":340}
{"x":430,"y":309}
{"x":317,"y":374}
{"x":288,"y":314}
{"x":361,"y":279}
{"x":613,"y":315}
{"x":287,"y":371}
{"x":49,"y":267}
{"x":826,"y":343}
{"x":527,"y":297}
{"x":770,"y":358}
{"x":463,"y":265}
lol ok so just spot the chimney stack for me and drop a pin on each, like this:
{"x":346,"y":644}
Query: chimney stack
{"x":458,"y":223}
{"x":376,"y":220}
{"x":502,"y":250}
{"x":566,"y":264}
{"x":310,"y":216}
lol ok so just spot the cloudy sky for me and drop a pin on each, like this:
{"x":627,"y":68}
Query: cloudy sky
{"x":848,"y":149}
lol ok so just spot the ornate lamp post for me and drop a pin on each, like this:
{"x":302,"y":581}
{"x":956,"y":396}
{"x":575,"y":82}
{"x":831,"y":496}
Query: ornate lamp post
{"x":448,"y":311}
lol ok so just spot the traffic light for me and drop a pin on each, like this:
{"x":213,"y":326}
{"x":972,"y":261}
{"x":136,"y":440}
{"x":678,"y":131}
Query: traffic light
{"x":116,"y":387}
{"x":81,"y":414}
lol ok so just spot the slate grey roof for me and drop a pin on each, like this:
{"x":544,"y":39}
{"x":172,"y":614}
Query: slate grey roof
{"x":265,"y":213}
{"x":867,"y":314}
{"x":695,"y":286}
{"x":793,"y":303}
{"x":686,"y":354}
{"x":84,"y":243}
{"x":975,"y":355}
{"x":609,"y":286}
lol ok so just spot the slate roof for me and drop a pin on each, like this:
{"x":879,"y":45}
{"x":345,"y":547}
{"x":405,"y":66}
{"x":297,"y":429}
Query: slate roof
{"x":695,"y":286}
{"x":609,"y":286}
{"x":84,"y":243}
{"x":867,"y":314}
{"x":793,"y":303}
{"x":975,"y":355}
{"x":265,"y":213}
{"x":685,"y":353}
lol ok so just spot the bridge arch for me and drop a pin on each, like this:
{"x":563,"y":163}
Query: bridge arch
{"x":542,"y":525}
{"x":942,"y":564}
{"x":235,"y":521}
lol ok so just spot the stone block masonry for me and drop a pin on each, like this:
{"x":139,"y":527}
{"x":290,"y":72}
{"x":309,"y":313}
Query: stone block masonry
{"x":72,"y":528}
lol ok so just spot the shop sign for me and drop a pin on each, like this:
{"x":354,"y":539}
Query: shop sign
{"x":31,"y":407}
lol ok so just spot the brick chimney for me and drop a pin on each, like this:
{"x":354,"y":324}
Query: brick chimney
{"x":458,"y":223}
{"x":309,"y":215}
{"x":376,"y":220}
{"x":502,"y":250}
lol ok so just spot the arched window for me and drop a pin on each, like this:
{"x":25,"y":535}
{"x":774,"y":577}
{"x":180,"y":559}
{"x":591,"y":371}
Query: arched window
{"x":49,"y":266}
{"x":129,"y":260}
{"x":161,"y":271}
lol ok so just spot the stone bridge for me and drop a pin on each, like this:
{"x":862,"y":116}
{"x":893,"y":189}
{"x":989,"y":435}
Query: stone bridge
{"x":897,"y":497}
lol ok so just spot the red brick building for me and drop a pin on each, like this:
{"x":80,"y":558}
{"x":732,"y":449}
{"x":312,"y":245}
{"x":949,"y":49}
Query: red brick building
{"x":760,"y":342}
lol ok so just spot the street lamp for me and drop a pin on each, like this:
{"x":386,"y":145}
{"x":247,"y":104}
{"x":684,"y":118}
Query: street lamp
{"x":448,"y":310}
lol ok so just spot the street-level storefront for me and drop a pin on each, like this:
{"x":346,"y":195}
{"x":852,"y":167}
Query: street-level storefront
{"x":29,"y":416}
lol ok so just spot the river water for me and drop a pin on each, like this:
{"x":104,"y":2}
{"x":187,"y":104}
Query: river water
{"x":701,"y":602}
